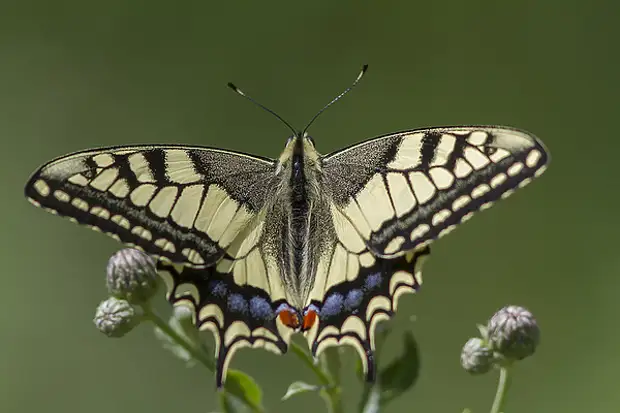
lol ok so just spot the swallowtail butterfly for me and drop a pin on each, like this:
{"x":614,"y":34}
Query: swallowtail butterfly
{"x":320,"y":244}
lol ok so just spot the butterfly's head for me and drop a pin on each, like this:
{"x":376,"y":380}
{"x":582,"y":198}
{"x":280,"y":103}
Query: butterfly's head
{"x":298,"y":154}
{"x":305,"y":139}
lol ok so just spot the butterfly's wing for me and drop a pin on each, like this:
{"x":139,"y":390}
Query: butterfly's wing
{"x":200,"y":211}
{"x":237,"y":300}
{"x":391,"y":197}
{"x":184,"y":204}
{"x":406,"y":189}
{"x":354,"y":292}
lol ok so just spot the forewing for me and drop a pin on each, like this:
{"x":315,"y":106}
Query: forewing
{"x":404,"y":190}
{"x":184,"y":204}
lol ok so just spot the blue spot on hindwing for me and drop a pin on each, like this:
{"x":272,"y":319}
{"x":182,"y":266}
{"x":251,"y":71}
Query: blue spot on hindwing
{"x":354,"y":299}
{"x":373,"y":281}
{"x":332,"y":305}
{"x":238,"y":304}
{"x":218,"y":288}
{"x":261,"y":309}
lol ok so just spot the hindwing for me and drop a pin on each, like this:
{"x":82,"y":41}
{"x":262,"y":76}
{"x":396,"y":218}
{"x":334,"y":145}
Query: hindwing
{"x":357,"y":292}
{"x":406,"y":189}
{"x":237,"y":300}
{"x":184,"y":204}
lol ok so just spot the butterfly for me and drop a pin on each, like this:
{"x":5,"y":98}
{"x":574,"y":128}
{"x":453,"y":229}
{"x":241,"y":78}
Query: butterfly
{"x":263,"y":248}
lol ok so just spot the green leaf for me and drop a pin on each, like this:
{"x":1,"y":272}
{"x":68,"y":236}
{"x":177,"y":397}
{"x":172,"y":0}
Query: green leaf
{"x":402,"y":373}
{"x":330,"y":362}
{"x":484,"y":333}
{"x":368,"y":387}
{"x":232,"y":404}
{"x":383,"y":330}
{"x":244,"y":388}
{"x":299,"y":387}
{"x":359,"y":369}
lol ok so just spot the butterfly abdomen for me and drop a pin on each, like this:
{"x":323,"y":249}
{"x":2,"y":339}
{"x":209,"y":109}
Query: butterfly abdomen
{"x":300,"y":217}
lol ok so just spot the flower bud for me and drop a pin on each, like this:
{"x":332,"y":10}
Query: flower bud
{"x":131,"y":275}
{"x":115,"y":317}
{"x":513,"y":333}
{"x":476,"y":357}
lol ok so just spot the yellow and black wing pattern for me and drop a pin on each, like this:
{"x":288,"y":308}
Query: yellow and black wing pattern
{"x":392,"y":196}
{"x":406,"y":189}
{"x":182,"y":204}
{"x":239,"y":311}
{"x":199,"y":211}
{"x":354,"y":292}
{"x":218,"y":222}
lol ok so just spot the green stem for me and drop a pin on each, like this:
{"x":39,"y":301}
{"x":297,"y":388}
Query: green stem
{"x":331,"y":391}
{"x":196,"y":353}
{"x":331,"y":395}
{"x":373,"y":400}
{"x":502,"y":389}
{"x":307,"y":359}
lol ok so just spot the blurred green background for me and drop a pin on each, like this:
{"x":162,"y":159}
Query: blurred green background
{"x":79,"y":74}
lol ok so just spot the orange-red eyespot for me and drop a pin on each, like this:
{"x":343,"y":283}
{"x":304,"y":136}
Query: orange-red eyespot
{"x":309,"y":320}
{"x":289,"y":318}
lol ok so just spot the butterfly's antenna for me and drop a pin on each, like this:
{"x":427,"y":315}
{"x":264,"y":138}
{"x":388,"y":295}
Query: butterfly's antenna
{"x":355,"y":82}
{"x":239,"y":91}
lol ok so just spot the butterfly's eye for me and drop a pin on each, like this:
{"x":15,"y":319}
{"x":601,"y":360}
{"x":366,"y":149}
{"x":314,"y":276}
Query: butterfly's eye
{"x":289,"y":140}
{"x":311,"y":139}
